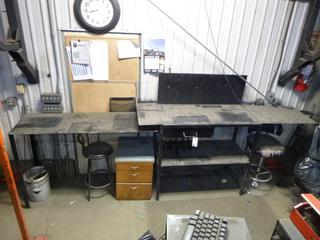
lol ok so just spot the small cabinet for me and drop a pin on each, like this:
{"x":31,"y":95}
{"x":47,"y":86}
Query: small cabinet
{"x":134,"y":168}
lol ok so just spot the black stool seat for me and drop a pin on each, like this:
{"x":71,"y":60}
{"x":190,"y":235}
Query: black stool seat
{"x":267,"y":145}
{"x":97,"y":148}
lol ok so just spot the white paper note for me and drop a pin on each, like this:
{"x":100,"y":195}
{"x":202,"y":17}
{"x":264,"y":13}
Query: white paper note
{"x":195,"y":141}
{"x":99,"y":60}
{"x":80,"y":52}
{"x":79,"y":71}
{"x":151,"y":62}
{"x":128,"y":49}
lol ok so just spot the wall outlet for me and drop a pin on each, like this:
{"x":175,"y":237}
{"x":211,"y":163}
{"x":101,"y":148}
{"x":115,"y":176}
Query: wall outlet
{"x":20,"y":88}
{"x":11,"y":102}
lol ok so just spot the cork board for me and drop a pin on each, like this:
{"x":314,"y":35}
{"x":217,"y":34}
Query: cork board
{"x":119,"y":69}
{"x":93,"y":96}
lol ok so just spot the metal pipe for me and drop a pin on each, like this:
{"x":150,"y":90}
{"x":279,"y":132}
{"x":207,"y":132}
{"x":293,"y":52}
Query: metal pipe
{"x":58,"y":49}
{"x":48,"y":45}
{"x":12,"y":188}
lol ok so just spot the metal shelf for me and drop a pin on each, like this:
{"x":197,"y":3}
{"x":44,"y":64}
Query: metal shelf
{"x":218,"y":152}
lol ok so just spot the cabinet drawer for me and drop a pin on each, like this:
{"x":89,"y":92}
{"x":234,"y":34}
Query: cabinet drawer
{"x":134,"y":166}
{"x":134,"y":191}
{"x":134,"y":176}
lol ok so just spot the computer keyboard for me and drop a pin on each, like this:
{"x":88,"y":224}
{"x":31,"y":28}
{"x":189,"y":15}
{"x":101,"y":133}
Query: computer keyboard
{"x":205,"y":226}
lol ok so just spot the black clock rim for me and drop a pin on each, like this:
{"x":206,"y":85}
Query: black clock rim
{"x":98,"y":30}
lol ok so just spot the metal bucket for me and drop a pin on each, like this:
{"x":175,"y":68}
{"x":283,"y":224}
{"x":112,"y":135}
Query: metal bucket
{"x":36,"y":180}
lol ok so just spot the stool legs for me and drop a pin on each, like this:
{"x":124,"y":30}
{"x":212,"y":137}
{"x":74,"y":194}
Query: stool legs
{"x":259,"y":173}
{"x":90,"y":174}
{"x":89,"y":178}
{"x":110,"y":174}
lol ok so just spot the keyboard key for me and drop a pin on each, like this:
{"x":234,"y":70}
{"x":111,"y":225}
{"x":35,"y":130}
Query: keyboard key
{"x":197,"y":212}
{"x":192,"y":222}
{"x":201,"y":216}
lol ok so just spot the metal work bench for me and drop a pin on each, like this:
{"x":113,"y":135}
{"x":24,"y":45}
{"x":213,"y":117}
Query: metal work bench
{"x":161,"y":118}
{"x":176,"y":226}
{"x":69,"y":124}
{"x":175,"y":120}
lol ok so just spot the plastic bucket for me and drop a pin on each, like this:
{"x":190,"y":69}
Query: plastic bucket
{"x":36,"y":180}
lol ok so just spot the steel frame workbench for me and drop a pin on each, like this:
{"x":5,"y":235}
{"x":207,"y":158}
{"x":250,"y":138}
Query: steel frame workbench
{"x":176,"y":117}
{"x":68,"y":124}
{"x":150,"y":117}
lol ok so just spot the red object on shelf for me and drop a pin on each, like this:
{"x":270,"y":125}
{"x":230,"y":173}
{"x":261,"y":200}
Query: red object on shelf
{"x":306,"y":217}
{"x":301,"y":84}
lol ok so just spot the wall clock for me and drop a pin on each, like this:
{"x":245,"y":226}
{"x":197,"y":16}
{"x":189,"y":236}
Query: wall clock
{"x":97,"y":16}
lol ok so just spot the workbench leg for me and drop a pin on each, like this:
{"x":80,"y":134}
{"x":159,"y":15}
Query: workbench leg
{"x":235,"y":133}
{"x":20,"y":183}
{"x":159,"y":157}
{"x":76,"y":159}
{"x":34,"y":149}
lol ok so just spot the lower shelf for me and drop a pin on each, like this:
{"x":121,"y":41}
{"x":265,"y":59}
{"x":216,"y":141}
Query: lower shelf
{"x":207,"y":153}
{"x":201,"y":178}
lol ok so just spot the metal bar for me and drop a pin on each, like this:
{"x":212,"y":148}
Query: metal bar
{"x":76,"y":159}
{"x":21,"y":186}
{"x":11,"y":8}
{"x":34,"y":149}
{"x":159,"y":156}
{"x":7,"y":171}
{"x":235,"y":133}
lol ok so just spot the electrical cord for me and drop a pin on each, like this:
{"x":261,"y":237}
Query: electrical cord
{"x":216,"y":49}
{"x":211,"y":52}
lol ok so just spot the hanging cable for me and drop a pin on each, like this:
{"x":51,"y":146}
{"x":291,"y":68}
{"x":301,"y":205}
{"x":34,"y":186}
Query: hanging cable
{"x":216,"y":49}
{"x":206,"y":48}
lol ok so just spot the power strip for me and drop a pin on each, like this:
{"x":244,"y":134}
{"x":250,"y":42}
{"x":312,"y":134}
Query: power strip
{"x":51,"y":108}
{"x":51,"y":98}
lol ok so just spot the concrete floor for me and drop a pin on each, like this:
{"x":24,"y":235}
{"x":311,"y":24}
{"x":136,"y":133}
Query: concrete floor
{"x":68,"y":215}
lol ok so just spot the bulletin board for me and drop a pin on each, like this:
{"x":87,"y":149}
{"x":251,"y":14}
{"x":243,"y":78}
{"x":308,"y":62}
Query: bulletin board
{"x":93,"y":96}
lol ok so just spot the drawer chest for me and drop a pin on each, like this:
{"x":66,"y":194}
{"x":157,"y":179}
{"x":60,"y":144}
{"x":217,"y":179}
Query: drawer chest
{"x":134,"y":168}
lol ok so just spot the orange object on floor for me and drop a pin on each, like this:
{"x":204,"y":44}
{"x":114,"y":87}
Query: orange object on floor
{"x":11,"y":184}
{"x":306,"y":217}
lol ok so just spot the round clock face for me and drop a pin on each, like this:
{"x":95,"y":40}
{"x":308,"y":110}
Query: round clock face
{"x":98,"y":16}
{"x":97,"y":13}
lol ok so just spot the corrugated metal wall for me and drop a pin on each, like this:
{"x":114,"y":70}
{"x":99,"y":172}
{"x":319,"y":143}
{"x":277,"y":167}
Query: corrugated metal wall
{"x":248,"y":34}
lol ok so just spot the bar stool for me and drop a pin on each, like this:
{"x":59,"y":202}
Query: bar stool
{"x":96,"y":151}
{"x":263,"y":144}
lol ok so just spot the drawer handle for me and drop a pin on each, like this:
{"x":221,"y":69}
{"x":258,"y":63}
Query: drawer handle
{"x":134,"y":174}
{"x":134,"y":167}
{"x":134,"y":188}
